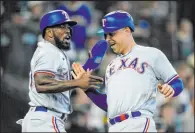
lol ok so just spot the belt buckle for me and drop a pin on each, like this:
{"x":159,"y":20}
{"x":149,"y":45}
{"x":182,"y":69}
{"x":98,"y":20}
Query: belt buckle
{"x":130,"y":115}
{"x":123,"y":117}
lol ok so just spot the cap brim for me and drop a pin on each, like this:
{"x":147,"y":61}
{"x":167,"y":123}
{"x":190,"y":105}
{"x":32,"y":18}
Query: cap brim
{"x":71,"y":23}
{"x":101,"y":31}
{"x":108,"y":30}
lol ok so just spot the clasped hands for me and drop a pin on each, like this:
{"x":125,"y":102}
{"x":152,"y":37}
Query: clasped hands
{"x":86,"y":79}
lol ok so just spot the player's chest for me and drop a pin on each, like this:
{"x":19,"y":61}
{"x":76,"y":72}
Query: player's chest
{"x":136,"y":64}
{"x":63,"y":70}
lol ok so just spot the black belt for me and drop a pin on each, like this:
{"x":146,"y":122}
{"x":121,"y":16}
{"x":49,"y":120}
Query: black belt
{"x":123,"y":117}
{"x":44,"y":109}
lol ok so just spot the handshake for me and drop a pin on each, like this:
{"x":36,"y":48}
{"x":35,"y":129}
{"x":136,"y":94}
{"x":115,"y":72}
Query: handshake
{"x":83,"y":74}
{"x":84,"y":78}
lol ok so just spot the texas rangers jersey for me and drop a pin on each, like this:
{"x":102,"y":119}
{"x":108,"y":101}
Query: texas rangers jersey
{"x":131,"y":80}
{"x":49,"y":59}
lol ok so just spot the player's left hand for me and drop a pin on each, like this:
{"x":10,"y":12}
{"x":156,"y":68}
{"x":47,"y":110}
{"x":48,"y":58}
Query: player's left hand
{"x":78,"y":71}
{"x":166,"y":90}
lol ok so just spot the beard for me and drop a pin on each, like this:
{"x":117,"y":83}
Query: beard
{"x":61,"y":44}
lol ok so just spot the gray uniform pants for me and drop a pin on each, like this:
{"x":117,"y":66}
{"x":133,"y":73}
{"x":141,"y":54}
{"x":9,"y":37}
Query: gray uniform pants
{"x":39,"y":121}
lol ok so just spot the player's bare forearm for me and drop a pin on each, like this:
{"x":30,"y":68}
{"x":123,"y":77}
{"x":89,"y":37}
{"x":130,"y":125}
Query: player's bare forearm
{"x":45,"y":83}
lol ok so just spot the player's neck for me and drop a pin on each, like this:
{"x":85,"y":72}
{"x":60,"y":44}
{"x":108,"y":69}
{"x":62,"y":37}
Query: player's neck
{"x":50,"y":41}
{"x":129,"y":47}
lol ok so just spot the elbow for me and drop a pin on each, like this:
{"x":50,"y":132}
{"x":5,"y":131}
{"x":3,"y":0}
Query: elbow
{"x":39,"y":88}
{"x":38,"y":84}
{"x":42,"y":82}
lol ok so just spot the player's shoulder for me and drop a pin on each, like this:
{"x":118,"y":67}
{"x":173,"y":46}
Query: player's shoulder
{"x":47,"y":48}
{"x":44,"y":51}
{"x":148,"y":49}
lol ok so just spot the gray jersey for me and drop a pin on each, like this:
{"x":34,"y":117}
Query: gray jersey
{"x":131,"y":80}
{"x":49,"y":59}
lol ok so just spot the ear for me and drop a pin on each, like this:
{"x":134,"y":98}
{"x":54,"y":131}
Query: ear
{"x":49,"y":32}
{"x":127,"y":29}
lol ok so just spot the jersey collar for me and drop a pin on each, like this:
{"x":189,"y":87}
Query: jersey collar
{"x":47,"y":44}
{"x":123,"y":55}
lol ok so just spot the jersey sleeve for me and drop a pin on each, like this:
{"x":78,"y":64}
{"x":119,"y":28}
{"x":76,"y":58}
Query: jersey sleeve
{"x":46,"y":63}
{"x":163,"y":68}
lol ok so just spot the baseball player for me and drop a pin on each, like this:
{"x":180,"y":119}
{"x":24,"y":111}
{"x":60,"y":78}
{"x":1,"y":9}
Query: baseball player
{"x":132,"y":79}
{"x":50,"y":83}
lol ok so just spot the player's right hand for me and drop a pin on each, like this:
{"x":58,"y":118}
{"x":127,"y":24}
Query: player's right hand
{"x":86,"y":80}
{"x":166,"y":90}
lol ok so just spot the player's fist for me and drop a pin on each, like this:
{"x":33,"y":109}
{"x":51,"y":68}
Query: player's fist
{"x":166,"y":90}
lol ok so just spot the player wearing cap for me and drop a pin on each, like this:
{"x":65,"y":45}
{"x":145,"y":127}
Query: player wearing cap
{"x":50,"y":84}
{"x":131,"y":80}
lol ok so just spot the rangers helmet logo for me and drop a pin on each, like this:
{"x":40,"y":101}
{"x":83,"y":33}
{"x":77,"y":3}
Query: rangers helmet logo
{"x":103,"y":22}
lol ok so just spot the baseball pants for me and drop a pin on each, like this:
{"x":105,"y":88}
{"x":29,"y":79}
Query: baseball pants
{"x":38,"y":121}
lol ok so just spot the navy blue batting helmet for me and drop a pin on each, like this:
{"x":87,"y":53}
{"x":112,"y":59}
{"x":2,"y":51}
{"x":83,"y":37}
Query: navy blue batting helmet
{"x":55,"y":17}
{"x":116,"y":20}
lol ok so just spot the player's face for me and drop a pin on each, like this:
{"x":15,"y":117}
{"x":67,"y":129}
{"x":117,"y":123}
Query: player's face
{"x":116,"y":39}
{"x":62,"y":36}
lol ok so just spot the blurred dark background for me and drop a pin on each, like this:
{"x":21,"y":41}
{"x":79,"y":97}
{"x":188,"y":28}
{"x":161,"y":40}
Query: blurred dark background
{"x":167,"y":25}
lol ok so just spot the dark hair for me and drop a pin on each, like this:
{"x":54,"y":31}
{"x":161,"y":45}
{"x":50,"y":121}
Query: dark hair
{"x":43,"y":33}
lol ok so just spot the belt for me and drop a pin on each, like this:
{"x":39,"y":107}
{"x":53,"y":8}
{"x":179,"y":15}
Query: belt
{"x":44,"y":109}
{"x":123,"y":117}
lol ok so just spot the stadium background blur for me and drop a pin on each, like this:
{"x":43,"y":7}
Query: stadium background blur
{"x":167,"y":25}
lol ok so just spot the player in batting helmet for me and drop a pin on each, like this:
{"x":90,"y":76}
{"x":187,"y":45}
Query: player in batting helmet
{"x":116,"y":20}
{"x":52,"y":22}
